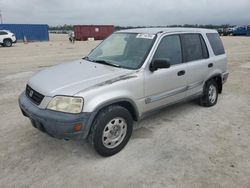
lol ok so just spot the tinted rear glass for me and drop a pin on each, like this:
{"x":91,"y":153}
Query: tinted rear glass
{"x":216,"y":43}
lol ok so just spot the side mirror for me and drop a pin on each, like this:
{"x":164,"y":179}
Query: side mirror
{"x":159,"y":64}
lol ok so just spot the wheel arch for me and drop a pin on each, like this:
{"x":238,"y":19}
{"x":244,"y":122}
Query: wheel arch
{"x":7,"y":39}
{"x":124,"y":102}
{"x":218,"y":79}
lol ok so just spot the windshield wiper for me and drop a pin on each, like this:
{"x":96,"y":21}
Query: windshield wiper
{"x":106,"y":63}
{"x":101,"y":61}
{"x":86,"y":58}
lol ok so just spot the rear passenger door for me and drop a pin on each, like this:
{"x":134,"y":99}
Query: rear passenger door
{"x":196,"y":57}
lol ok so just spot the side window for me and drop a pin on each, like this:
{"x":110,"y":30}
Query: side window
{"x":170,"y":49}
{"x":192,"y":47}
{"x":3,"y":33}
{"x":216,"y":43}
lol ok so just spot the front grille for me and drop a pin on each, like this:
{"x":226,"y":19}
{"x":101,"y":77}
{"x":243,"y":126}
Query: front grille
{"x":33,"y":95}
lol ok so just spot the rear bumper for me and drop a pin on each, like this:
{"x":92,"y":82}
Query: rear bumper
{"x":224,"y":77}
{"x":56,"y":124}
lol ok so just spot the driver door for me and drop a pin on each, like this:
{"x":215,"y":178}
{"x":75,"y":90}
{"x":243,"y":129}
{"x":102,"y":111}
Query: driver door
{"x":167,"y":85}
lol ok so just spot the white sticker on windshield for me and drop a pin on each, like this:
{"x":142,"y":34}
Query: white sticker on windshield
{"x":145,"y":36}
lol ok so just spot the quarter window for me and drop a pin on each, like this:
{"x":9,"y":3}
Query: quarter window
{"x":216,"y":43}
{"x":169,"y":49}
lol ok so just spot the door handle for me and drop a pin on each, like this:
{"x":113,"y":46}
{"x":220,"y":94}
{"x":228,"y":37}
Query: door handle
{"x":180,"y":73}
{"x":210,"y":65}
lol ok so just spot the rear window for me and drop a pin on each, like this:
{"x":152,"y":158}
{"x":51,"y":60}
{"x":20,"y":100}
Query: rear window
{"x":216,"y":43}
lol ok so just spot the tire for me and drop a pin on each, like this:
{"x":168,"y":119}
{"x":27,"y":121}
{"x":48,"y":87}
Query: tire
{"x":111,"y":130}
{"x":210,"y":94}
{"x":7,"y":42}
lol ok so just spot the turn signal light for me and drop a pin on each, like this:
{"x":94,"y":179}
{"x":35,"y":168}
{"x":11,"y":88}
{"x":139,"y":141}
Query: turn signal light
{"x":77,"y":127}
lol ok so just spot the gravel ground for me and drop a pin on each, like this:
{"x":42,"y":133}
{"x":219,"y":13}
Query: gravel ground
{"x":184,"y":145}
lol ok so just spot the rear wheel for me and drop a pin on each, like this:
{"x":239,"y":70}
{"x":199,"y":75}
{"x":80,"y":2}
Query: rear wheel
{"x":7,"y":43}
{"x":210,"y":94}
{"x":111,"y":130}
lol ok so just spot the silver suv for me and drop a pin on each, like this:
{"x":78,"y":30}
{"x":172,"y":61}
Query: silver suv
{"x":125,"y":78}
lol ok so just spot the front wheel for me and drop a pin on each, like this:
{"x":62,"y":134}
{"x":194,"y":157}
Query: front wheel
{"x":210,"y":94}
{"x":7,"y":42}
{"x":111,"y":130}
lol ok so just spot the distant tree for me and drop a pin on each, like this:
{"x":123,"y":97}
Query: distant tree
{"x":61,"y":27}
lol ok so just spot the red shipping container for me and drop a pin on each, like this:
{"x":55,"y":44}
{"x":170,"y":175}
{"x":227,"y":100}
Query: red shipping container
{"x":98,"y":32}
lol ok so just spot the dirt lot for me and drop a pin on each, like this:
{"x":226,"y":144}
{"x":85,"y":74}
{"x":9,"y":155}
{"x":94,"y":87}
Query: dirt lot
{"x":184,"y":146}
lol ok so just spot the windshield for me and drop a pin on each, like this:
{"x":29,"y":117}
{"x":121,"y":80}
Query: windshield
{"x":126,"y":50}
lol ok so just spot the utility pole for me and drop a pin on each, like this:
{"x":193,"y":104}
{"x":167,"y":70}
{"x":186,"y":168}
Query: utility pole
{"x":1,"y":18}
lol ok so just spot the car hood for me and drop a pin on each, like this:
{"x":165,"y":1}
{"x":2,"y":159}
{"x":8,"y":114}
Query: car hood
{"x":71,"y":78}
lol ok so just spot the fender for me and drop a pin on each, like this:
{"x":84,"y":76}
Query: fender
{"x":119,"y":100}
{"x":108,"y":103}
{"x":8,"y":39}
{"x":216,"y":72}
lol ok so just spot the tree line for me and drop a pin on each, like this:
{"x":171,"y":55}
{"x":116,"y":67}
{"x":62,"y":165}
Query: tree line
{"x":209,"y":26}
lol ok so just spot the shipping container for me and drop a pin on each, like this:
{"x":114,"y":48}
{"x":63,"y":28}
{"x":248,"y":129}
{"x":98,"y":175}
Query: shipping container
{"x":30,"y":32}
{"x":98,"y":32}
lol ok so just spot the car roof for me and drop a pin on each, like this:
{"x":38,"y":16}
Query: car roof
{"x":156,"y":30}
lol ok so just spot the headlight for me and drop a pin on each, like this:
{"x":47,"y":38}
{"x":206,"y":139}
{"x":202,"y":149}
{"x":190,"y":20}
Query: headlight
{"x":66,"y":104}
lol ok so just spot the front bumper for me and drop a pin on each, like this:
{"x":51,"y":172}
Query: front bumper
{"x":14,"y":40}
{"x":56,"y":124}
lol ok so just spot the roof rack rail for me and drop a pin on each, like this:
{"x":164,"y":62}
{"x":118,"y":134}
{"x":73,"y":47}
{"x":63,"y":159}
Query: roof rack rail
{"x":159,"y":32}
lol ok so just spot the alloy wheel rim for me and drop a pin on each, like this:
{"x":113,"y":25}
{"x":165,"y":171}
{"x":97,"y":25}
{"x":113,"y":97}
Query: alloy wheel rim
{"x":114,"y":132}
{"x":212,"y":93}
{"x":8,"y":43}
